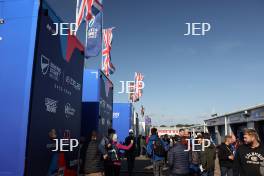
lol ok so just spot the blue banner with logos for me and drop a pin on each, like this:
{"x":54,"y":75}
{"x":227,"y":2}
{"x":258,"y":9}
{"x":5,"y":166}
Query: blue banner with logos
{"x":55,"y":101}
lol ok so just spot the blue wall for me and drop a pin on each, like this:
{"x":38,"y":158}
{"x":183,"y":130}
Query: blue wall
{"x":90,"y":86}
{"x":17,"y":50}
{"x":122,"y":115}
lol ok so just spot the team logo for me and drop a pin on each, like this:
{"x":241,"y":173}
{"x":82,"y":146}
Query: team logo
{"x":67,"y":134}
{"x":115,"y":115}
{"x":70,"y":81}
{"x":92,"y":33}
{"x":69,"y":110}
{"x":51,"y":105}
{"x":44,"y":64}
{"x":254,"y":158}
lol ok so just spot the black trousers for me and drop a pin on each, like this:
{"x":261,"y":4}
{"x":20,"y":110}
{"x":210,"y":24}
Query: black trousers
{"x":130,"y":164}
{"x":108,"y":168}
{"x":111,"y":169}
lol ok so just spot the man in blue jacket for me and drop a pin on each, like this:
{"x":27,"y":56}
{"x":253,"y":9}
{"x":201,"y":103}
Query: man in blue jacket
{"x":156,"y":148}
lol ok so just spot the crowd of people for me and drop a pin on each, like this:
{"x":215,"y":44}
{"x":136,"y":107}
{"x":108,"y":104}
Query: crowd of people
{"x":179,"y":155}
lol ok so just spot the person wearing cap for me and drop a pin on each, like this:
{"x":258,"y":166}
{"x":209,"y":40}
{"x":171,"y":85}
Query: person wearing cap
{"x":131,"y":153}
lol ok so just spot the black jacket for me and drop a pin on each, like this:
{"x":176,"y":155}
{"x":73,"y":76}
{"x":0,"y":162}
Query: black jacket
{"x":132,"y":151}
{"x":247,"y":160}
{"x":179,"y":160}
{"x":224,"y":151}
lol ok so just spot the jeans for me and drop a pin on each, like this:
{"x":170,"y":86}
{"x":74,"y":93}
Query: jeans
{"x":195,"y":169}
{"x":226,"y":171}
{"x":158,"y":168}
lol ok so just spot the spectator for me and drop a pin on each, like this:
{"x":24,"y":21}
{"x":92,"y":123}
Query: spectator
{"x":93,"y":165}
{"x":208,"y":156}
{"x":143,"y":145}
{"x":103,"y":147}
{"x":196,"y":156}
{"x":131,"y":153}
{"x":186,"y":133}
{"x":226,"y":157}
{"x":156,"y":149}
{"x":249,"y":156}
{"x":166,"y":140}
{"x":178,"y":158}
{"x":181,"y":132}
{"x":113,"y":154}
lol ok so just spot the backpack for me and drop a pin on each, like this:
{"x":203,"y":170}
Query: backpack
{"x":113,"y":154}
{"x":158,"y":148}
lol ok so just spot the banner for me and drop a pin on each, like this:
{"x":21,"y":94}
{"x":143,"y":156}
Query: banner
{"x":94,"y":36}
{"x":55,"y":101}
{"x":106,"y":104}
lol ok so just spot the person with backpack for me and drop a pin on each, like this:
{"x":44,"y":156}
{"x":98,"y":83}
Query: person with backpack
{"x":179,"y":158}
{"x":131,"y":153}
{"x":113,"y":152}
{"x":156,"y":149}
{"x":103,"y":148}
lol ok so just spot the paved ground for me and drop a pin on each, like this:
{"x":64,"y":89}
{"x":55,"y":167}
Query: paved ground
{"x":143,"y":167}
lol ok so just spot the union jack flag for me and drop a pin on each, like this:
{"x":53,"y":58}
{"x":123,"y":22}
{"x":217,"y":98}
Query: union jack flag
{"x":97,"y":7}
{"x":132,"y":94}
{"x":139,"y":84}
{"x":107,"y":65}
{"x":85,"y":5}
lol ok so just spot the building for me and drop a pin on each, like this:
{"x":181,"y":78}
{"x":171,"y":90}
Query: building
{"x":235,"y":122}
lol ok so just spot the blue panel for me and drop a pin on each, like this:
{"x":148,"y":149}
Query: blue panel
{"x":17,"y":51}
{"x":90,"y":86}
{"x":106,"y":103}
{"x":122,"y":119}
{"x":90,"y":118}
{"x":56,"y":99}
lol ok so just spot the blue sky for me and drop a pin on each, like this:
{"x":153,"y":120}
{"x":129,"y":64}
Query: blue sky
{"x":188,"y":77}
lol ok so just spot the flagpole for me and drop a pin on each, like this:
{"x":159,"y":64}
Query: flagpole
{"x":102,"y":38}
{"x":76,"y":15}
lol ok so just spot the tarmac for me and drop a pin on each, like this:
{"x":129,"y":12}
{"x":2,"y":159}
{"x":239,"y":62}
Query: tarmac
{"x":143,"y":167}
